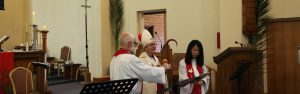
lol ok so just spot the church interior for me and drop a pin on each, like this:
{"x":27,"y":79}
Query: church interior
{"x":61,"y":46}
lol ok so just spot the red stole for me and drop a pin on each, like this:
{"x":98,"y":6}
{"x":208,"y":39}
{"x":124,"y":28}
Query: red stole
{"x":121,"y":51}
{"x":160,"y":87}
{"x":190,"y":74}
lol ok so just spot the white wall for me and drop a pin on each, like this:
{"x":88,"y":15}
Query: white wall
{"x":65,"y":22}
{"x":285,"y":8}
{"x":186,"y":20}
{"x":231,"y":23}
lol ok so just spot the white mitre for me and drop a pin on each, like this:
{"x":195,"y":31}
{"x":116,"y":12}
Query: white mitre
{"x":146,"y":38}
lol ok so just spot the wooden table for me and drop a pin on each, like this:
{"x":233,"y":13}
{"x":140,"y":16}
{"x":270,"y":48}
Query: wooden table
{"x":70,"y":70}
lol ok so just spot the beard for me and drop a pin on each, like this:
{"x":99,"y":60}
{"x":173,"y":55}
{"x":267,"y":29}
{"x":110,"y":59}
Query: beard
{"x":133,"y":50}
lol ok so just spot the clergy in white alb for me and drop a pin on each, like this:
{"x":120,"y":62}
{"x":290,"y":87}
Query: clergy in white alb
{"x":125,"y":65}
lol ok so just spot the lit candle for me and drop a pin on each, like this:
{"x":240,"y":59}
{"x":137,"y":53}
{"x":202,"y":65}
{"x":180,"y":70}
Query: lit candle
{"x":33,"y":15}
{"x":44,"y":27}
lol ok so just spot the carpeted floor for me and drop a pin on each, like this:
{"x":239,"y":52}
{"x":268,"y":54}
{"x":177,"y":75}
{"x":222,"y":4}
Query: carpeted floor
{"x":68,"y":88}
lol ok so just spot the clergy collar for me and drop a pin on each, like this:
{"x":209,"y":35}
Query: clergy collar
{"x":121,"y":51}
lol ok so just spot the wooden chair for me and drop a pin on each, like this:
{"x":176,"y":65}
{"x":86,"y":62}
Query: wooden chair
{"x":175,"y":64}
{"x":64,"y":57}
{"x":212,"y":83}
{"x":22,"y":81}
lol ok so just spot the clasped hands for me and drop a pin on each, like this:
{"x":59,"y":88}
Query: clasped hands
{"x":201,"y":82}
{"x":165,"y":64}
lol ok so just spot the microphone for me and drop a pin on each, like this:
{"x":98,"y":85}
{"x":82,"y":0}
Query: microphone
{"x":161,"y":45}
{"x":239,"y":43}
{"x":41,"y":64}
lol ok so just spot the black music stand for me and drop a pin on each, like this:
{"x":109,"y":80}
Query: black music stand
{"x":110,"y":87}
{"x":243,"y":67}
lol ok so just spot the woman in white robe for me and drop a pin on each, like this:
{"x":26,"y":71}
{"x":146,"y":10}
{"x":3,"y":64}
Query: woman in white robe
{"x":193,"y":66}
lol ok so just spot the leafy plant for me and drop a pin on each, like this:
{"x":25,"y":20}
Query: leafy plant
{"x":259,"y":40}
{"x":262,"y":16}
{"x":116,"y":19}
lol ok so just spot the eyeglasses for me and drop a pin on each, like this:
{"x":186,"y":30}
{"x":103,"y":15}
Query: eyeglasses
{"x":135,"y":43}
{"x":152,"y":44}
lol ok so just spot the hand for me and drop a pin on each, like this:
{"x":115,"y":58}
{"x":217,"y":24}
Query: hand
{"x":164,"y":61}
{"x":166,"y":66}
{"x":200,"y":82}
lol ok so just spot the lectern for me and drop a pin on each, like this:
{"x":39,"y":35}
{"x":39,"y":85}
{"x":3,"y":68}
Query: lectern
{"x":235,"y":73}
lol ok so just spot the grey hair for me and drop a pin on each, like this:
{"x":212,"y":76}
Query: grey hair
{"x":126,"y":37}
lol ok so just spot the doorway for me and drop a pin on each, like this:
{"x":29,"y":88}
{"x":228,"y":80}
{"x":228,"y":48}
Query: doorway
{"x":155,"y":22}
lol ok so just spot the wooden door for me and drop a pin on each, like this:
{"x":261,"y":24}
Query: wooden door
{"x":283,"y":67}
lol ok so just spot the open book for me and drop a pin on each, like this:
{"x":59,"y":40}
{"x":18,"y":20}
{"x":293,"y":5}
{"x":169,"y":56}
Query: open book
{"x":183,"y":83}
{"x":3,"y":39}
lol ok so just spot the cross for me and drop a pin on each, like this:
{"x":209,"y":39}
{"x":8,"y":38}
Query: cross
{"x":86,"y":46}
{"x":86,"y":6}
{"x":86,"y":39}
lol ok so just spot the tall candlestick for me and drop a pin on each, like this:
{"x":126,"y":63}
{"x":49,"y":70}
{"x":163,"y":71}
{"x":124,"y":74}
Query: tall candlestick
{"x":34,"y":36}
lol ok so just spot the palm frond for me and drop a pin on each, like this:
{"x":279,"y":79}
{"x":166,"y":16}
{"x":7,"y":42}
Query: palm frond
{"x":116,"y":19}
{"x":259,"y":39}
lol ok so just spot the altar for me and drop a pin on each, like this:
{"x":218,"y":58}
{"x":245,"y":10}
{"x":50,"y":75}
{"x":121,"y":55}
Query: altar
{"x":24,"y":59}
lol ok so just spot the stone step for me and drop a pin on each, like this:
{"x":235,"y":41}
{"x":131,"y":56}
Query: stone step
{"x":55,"y":77}
{"x":56,"y":82}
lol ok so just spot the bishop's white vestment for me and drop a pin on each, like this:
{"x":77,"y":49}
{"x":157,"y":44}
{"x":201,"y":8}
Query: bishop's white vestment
{"x":148,"y":87}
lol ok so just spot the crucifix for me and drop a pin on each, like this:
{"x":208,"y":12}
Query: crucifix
{"x":87,"y":76}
